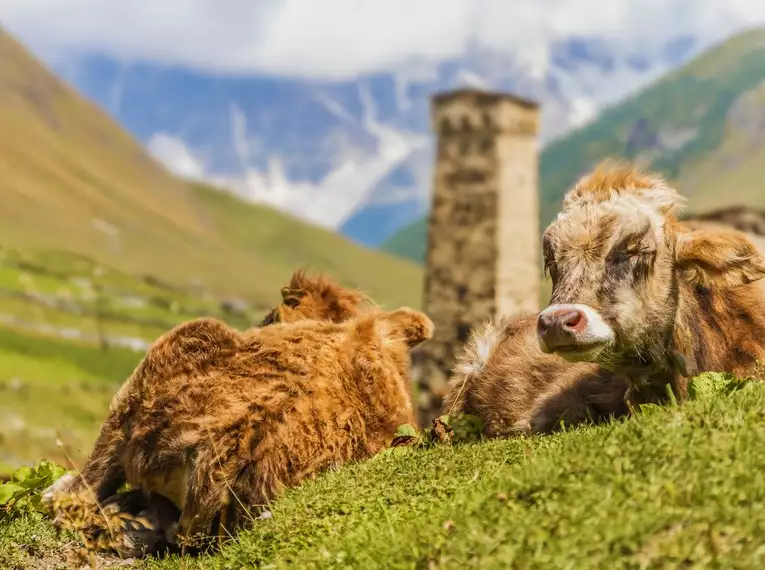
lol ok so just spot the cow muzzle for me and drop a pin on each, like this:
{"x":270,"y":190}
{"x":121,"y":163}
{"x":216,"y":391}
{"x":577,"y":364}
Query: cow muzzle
{"x":575,"y":332}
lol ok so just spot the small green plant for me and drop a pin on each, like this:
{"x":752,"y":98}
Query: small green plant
{"x":24,"y":489}
{"x":467,"y":427}
{"x":406,"y":434}
{"x":444,"y":430}
{"x":712,"y":384}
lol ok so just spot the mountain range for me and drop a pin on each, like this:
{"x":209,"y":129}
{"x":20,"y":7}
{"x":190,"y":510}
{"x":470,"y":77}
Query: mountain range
{"x":356,"y":155}
{"x":352,"y":156}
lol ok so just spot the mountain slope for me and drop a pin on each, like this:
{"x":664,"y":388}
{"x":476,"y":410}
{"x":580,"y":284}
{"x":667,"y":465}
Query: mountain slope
{"x":703,"y":126}
{"x":71,"y":178}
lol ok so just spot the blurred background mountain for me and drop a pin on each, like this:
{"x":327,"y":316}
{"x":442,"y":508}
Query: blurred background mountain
{"x":353,"y":155}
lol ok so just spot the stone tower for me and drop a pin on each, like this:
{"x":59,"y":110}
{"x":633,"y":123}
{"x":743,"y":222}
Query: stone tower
{"x":483,"y":237}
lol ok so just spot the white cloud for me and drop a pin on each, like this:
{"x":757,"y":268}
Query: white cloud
{"x":174,"y":155}
{"x":354,"y":177}
{"x":344,"y":38}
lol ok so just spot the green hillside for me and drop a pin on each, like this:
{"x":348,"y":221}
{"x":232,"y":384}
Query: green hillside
{"x":703,"y":126}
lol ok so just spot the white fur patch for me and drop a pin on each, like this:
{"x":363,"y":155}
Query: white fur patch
{"x":480,"y":348}
{"x":627,"y":206}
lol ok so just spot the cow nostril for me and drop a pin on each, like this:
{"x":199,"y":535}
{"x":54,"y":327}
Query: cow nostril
{"x":572,"y":319}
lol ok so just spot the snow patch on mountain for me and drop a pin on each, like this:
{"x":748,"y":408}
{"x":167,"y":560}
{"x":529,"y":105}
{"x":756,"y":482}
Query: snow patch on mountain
{"x":328,"y":201}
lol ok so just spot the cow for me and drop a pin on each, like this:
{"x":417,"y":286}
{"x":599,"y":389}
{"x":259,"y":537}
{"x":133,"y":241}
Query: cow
{"x":640,"y":293}
{"x":205,"y":386}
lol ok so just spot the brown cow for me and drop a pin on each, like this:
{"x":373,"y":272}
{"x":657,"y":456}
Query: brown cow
{"x":503,"y":377}
{"x":246,"y":415}
{"x":306,"y":297}
{"x":142,"y":518}
{"x":640,"y":294}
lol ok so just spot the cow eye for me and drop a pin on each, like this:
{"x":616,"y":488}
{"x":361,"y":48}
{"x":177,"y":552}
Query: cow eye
{"x":621,"y":258}
{"x":550,"y":270}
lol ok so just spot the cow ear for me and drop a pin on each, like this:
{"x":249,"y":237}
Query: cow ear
{"x":719,"y":257}
{"x":415,"y":327}
{"x":291,"y":296}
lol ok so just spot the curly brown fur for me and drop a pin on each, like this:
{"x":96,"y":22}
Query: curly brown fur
{"x":220,"y":422}
{"x":319,"y":298}
{"x":131,"y":523}
{"x":502,"y":377}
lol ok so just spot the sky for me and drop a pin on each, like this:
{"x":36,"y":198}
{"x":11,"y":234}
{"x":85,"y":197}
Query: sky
{"x":341,"y":39}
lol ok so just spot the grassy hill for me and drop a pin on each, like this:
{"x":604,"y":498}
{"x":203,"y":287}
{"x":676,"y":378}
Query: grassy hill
{"x":703,"y":126}
{"x":72,"y":179}
{"x":101,"y":246}
{"x":675,"y":487}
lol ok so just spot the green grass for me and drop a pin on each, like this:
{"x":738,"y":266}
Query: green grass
{"x":44,"y":287}
{"x":28,"y":539}
{"x":678,"y":487}
{"x":115,"y":364}
{"x":54,"y":390}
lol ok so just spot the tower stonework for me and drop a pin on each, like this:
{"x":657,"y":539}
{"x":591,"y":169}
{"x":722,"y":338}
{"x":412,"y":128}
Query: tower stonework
{"x":483,"y":229}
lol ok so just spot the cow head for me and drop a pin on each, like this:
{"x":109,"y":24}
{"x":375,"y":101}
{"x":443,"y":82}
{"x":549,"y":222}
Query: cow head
{"x":618,"y":259}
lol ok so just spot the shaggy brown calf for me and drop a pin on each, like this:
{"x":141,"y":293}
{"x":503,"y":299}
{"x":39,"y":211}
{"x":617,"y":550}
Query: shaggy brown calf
{"x":503,"y":377}
{"x":192,"y":348}
{"x":220,"y":422}
{"x":305,"y":298}
{"x":644,"y":295}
